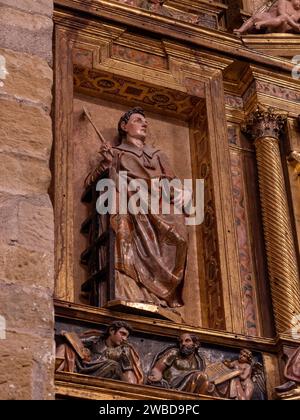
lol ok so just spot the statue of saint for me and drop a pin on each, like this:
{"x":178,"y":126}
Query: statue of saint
{"x":108,"y":356}
{"x":151,"y":249}
{"x":281,"y":16}
{"x":181,"y":367}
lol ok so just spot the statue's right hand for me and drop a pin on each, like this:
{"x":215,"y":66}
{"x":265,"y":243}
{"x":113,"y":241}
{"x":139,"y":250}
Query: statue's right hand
{"x":106,"y":151}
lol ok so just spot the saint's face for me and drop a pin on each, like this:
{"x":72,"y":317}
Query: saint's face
{"x":136,"y":127}
{"x":119,"y":337}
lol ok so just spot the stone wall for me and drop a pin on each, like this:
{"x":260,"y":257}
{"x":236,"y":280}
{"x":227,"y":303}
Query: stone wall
{"x":26,"y":214}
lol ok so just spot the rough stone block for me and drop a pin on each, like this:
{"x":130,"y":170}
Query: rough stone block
{"x":26,"y":367}
{"x":41,"y":7}
{"x":20,"y":31}
{"x":27,"y":221}
{"x":24,"y":129}
{"x":36,"y":226}
{"x":9,"y":208}
{"x":26,"y":256}
{"x":26,"y":266}
{"x":23,"y":175}
{"x":27,"y":308}
{"x":27,"y":77}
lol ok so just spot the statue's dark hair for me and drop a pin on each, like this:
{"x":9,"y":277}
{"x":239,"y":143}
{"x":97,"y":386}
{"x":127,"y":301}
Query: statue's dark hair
{"x":125,"y":118}
{"x":116,"y":326}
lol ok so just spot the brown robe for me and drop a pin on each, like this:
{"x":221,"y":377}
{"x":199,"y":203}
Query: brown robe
{"x":182,"y":373}
{"x":151,"y":249}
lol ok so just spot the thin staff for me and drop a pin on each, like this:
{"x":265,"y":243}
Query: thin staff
{"x":89,"y":117}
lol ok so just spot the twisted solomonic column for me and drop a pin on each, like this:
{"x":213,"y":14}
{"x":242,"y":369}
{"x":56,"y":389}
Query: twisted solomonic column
{"x":264,"y":126}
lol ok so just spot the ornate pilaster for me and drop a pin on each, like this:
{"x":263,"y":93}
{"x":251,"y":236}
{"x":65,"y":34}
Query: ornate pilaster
{"x":264,"y":127}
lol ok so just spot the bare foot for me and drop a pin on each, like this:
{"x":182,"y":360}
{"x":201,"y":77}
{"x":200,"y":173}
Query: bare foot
{"x":237,"y":32}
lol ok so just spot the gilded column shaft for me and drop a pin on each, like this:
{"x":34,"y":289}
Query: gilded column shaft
{"x":280,"y":247}
{"x":282,"y":262}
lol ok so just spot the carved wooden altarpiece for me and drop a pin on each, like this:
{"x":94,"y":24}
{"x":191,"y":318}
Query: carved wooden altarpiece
{"x":182,"y":88}
{"x":198,"y":88}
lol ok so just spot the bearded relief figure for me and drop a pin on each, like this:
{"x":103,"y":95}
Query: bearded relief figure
{"x":181,"y":367}
{"x":185,"y":368}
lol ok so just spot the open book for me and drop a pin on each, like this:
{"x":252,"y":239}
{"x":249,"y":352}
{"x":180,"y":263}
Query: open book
{"x":218,"y":373}
{"x":76,"y":344}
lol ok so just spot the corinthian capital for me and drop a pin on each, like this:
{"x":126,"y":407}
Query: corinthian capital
{"x":264,"y":122}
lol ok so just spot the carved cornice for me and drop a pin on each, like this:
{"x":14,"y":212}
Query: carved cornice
{"x":255,"y":84}
{"x":141,"y":324}
{"x":74,"y":385}
{"x":220,"y":41}
{"x":264,"y":122}
{"x":283,"y":45}
{"x":202,"y":13}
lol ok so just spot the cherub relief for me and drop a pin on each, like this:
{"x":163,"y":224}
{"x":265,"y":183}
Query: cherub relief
{"x":281,"y":16}
{"x":248,"y":374}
